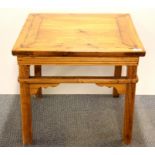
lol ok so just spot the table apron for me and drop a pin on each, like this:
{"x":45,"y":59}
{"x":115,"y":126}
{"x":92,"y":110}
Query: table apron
{"x":117,"y":61}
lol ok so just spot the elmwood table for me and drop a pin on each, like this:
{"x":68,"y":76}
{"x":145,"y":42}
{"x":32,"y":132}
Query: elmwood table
{"x":78,"y":39}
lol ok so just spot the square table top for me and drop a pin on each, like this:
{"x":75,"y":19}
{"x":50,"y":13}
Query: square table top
{"x":78,"y":35}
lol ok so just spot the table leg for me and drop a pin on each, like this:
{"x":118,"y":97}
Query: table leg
{"x":37,"y":69}
{"x":129,"y":106}
{"x":25,"y":106}
{"x":117,"y":74}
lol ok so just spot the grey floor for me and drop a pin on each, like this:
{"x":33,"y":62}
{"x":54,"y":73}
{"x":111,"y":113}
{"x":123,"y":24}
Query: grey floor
{"x":77,"y":120}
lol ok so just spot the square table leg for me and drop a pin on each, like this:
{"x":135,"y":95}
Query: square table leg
{"x":25,"y":106}
{"x":37,"y":70}
{"x":129,"y":105}
{"x":117,"y":74}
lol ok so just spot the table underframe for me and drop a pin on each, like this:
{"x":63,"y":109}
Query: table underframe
{"x":31,"y":85}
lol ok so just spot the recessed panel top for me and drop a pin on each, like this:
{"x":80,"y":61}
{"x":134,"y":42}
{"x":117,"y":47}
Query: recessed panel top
{"x":78,"y":35}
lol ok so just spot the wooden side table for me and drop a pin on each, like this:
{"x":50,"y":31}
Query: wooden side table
{"x":78,"y":39}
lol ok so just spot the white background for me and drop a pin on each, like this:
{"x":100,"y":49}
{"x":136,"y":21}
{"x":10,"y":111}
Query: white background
{"x":13,"y":14}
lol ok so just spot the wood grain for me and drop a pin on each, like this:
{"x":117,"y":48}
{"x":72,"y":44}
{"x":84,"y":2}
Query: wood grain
{"x":78,"y":35}
{"x":129,"y":105}
{"x":37,"y":70}
{"x":78,"y":79}
{"x":121,"y":88}
{"x":79,"y":61}
{"x":25,"y":106}
{"x":117,"y":74}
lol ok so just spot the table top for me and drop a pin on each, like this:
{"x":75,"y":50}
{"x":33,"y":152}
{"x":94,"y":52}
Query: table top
{"x":78,"y":35}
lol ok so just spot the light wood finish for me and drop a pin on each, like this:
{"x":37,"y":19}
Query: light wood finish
{"x":82,"y":79}
{"x":117,"y":74}
{"x":37,"y":70}
{"x":129,"y":105}
{"x":121,"y":88}
{"x":78,"y":35}
{"x":78,"y":60}
{"x":25,"y":106}
{"x":78,"y":39}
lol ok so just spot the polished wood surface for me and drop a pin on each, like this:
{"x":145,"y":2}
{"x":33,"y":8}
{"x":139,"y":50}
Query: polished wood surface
{"x":117,"y":74}
{"x":79,"y":61}
{"x":129,"y":105}
{"x":78,"y":35}
{"x":25,"y":106}
{"x":78,"y":39}
{"x":79,"y":79}
{"x":37,"y":72}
